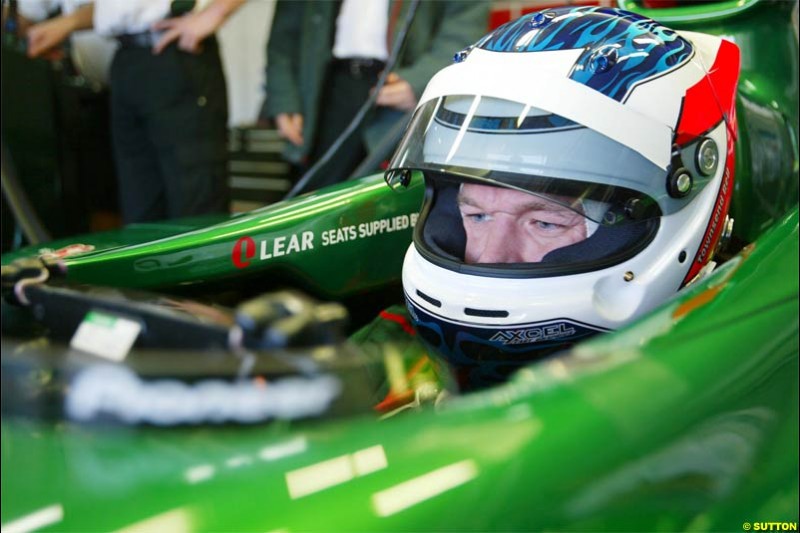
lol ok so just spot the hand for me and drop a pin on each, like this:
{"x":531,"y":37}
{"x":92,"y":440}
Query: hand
{"x":290,"y":127}
{"x":188,"y":30}
{"x":47,"y":35}
{"x":397,"y":93}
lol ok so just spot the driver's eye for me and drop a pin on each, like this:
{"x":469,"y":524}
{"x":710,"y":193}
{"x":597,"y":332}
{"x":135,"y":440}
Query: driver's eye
{"x":548,"y":226}
{"x":476,"y":217}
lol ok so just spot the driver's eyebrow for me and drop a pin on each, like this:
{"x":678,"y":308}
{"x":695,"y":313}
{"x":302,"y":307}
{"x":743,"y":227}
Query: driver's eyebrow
{"x":535,"y":205}
{"x":466,"y":200}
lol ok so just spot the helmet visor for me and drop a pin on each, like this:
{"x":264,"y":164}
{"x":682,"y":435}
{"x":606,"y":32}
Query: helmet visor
{"x":509,"y":144}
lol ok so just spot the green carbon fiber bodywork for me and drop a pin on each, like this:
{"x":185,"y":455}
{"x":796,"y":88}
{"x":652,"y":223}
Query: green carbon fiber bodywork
{"x":685,"y":420}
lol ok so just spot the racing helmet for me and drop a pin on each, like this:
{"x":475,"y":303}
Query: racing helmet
{"x":578,"y":166}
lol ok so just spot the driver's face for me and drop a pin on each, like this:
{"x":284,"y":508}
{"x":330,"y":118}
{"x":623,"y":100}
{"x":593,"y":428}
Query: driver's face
{"x":509,"y":226}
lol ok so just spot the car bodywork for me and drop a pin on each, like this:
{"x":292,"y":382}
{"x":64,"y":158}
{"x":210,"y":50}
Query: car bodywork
{"x":683,"y":420}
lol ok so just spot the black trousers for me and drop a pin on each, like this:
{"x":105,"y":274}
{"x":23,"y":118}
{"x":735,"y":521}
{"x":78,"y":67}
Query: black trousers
{"x":346,"y":90}
{"x":169,"y":116}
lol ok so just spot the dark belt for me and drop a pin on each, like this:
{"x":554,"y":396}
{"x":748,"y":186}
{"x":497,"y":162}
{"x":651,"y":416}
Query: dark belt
{"x":144,"y":39}
{"x":359,"y":67}
{"x":148,"y":39}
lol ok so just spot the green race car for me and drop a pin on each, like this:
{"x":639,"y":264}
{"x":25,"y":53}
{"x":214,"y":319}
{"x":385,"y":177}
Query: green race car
{"x":179,"y":377}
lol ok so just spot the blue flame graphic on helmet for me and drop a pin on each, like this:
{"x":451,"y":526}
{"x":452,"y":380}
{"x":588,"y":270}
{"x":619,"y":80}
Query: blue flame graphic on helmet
{"x":621,"y":49}
{"x":487,"y":355}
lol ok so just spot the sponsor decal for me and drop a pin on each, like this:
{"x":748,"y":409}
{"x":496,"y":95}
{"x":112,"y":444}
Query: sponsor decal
{"x":246,"y":249}
{"x":368,"y":229}
{"x":243,"y":251}
{"x":549,"y":332}
{"x":116,"y":391}
{"x":716,"y":220}
{"x":715,"y":225}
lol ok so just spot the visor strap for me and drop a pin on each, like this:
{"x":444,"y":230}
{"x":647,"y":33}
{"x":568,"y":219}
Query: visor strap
{"x":591,"y":227}
{"x":592,"y":212}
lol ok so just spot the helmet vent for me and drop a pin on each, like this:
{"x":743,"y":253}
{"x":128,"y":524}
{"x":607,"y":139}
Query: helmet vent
{"x":430,"y":299}
{"x":489,"y":313}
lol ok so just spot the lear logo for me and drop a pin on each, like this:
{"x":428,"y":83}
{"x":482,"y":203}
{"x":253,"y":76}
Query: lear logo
{"x":243,"y":251}
{"x":245,"y":248}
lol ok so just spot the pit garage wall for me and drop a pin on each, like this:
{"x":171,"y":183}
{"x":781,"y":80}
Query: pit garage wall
{"x":243,"y":41}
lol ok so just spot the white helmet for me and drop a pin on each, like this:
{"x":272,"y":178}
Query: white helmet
{"x":622,"y":131}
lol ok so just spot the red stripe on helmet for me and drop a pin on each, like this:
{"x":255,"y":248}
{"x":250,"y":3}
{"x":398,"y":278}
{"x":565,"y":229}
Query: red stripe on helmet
{"x":705,"y":104}
{"x":711,"y":99}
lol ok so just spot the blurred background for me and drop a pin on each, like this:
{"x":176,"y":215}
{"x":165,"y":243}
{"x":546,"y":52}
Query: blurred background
{"x":57,"y":160}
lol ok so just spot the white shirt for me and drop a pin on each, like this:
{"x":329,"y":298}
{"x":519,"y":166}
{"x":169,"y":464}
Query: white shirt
{"x":38,"y":10}
{"x":361,"y":29}
{"x":91,"y":53}
{"x":117,"y":17}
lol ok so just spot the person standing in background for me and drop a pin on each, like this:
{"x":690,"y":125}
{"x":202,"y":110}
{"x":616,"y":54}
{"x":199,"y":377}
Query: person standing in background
{"x":91,"y":54}
{"x":168,"y":101}
{"x":324,"y":58}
